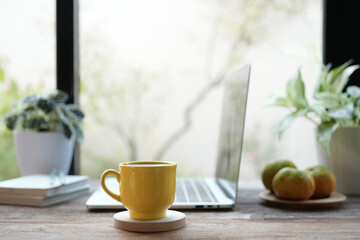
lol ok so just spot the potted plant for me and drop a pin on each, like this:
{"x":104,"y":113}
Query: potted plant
{"x":336,"y":115}
{"x":45,"y":132}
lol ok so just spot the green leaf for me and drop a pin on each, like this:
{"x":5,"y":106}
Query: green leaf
{"x":66,"y":130}
{"x":46,"y":104}
{"x":345,"y":77}
{"x":339,"y":76}
{"x":74,"y":116}
{"x":344,"y":113}
{"x":287,"y":121}
{"x":59,"y":96}
{"x":353,"y":91}
{"x":71,"y":117}
{"x":295,"y":91}
{"x":32,"y":99}
{"x":318,"y":109}
{"x":35,"y":122}
{"x":324,"y":133}
{"x":79,"y":132}
{"x":11,"y":121}
{"x":75,"y":111}
{"x":329,"y":100}
{"x":332,"y":80}
{"x":66,"y":124}
{"x":320,"y":85}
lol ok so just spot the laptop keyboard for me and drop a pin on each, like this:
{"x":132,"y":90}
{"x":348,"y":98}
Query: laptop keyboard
{"x":193,"y":190}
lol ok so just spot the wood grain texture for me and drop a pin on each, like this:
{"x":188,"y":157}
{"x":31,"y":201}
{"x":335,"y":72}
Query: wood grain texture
{"x":173,"y":220}
{"x":251,"y":219}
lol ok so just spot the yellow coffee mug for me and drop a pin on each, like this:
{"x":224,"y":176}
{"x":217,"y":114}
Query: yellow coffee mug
{"x":147,"y":188}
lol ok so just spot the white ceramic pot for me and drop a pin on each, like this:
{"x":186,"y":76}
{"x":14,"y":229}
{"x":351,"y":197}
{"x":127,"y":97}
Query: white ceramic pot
{"x":344,"y":159}
{"x":41,"y":152}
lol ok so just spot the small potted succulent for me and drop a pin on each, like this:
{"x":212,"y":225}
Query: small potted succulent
{"x":336,"y":115}
{"x":45,"y":132}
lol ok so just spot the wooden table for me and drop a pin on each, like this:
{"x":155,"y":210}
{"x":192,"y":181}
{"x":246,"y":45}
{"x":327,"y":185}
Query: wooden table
{"x":250,"y":219}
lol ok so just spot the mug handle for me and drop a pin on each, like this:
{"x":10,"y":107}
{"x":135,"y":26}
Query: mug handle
{"x":103,"y":185}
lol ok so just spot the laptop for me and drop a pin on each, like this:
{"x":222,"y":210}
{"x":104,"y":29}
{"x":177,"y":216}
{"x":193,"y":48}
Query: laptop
{"x":219,"y":191}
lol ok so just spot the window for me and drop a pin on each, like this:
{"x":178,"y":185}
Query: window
{"x":27,"y":63}
{"x":143,"y":63}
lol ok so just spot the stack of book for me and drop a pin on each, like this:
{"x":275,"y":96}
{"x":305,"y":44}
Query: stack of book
{"x":42,"y":190}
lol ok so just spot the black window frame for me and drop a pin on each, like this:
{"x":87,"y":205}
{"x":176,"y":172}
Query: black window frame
{"x":67,"y":58}
{"x":341,"y":35}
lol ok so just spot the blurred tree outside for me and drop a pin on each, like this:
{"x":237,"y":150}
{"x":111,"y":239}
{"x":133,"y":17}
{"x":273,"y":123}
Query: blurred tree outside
{"x":125,"y":98}
{"x":9,"y":94}
{"x":27,"y":57}
{"x":124,"y":101}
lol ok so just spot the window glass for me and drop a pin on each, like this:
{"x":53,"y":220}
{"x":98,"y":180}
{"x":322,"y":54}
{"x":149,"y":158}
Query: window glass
{"x":27,"y":63}
{"x":150,"y":74}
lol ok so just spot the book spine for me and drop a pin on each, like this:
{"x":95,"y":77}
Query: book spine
{"x":21,"y":201}
{"x":65,"y":197}
{"x":21,"y":191}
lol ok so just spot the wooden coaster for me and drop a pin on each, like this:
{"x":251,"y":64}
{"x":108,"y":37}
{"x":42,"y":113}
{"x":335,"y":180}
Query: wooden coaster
{"x":172,"y":221}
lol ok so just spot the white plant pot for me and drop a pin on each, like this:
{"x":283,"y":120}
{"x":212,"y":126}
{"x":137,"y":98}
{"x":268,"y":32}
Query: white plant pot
{"x":344,"y":159}
{"x":41,"y":152}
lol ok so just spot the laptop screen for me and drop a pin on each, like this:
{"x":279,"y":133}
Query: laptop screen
{"x":232,"y":128}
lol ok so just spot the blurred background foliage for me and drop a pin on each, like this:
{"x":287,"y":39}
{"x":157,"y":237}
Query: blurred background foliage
{"x":135,"y":87}
{"x":9,"y":93}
